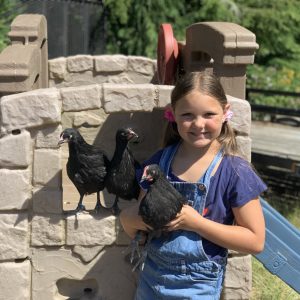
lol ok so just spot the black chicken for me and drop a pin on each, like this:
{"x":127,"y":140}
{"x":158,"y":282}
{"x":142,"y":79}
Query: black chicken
{"x":86,"y":167}
{"x":162,"y":201}
{"x":158,"y":207}
{"x":121,"y":179}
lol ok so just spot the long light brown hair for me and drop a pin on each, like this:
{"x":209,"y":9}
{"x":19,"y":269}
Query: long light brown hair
{"x":207,"y":84}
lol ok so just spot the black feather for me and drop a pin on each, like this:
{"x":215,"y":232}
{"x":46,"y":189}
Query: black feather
{"x":87,"y":165}
{"x":121,"y":178}
{"x":162,"y":201}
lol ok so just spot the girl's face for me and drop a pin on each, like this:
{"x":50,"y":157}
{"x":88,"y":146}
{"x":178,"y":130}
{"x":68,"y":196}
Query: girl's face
{"x":199,"y":119}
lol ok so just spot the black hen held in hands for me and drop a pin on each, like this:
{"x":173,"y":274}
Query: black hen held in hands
{"x":162,"y":201}
{"x":121,"y":179}
{"x":86,"y":167}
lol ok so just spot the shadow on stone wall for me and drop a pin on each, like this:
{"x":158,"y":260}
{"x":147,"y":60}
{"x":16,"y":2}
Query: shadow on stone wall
{"x":86,"y":255}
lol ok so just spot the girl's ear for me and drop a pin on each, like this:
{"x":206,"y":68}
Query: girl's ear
{"x":227,"y":113}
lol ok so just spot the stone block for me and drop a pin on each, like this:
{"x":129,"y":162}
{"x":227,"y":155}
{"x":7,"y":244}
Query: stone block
{"x":47,"y":230}
{"x":14,"y":231}
{"x":238,"y":278}
{"x":47,"y":200}
{"x":241,"y":120}
{"x":244,"y":147}
{"x":142,"y":65}
{"x":126,"y":97}
{"x":110,"y":63}
{"x":30,"y":109}
{"x":47,"y":167}
{"x":80,"y":63}
{"x":15,"y":187}
{"x":164,"y":95}
{"x":88,"y":119}
{"x":15,"y":283}
{"x":21,"y":156}
{"x":121,"y":78}
{"x":57,"y":67}
{"x":48,"y":137}
{"x":78,"y":79}
{"x":140,"y":69}
{"x":58,"y":274}
{"x":81,"y":98}
{"x":89,"y":230}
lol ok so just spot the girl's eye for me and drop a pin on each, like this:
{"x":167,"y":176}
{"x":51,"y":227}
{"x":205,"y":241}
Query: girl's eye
{"x":209,"y":114}
{"x":186,"y":115}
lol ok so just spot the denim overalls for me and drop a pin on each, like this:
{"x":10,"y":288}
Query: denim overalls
{"x":176,"y":265}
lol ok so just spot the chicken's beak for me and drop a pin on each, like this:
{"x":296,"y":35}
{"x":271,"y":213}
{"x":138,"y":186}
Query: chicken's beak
{"x":143,"y":178}
{"x":61,"y":141}
{"x":132,"y":135}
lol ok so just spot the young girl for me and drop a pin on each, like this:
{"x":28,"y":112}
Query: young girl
{"x":223,"y":211}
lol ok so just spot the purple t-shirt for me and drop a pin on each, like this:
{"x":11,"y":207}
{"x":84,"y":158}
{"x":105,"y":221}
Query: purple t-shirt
{"x":234,"y":184}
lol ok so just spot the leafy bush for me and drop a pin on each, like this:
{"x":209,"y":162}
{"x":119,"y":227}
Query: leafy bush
{"x":274,"y":78}
{"x":7,"y":14}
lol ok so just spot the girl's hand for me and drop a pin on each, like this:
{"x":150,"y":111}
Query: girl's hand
{"x":132,"y":221}
{"x":187,"y":219}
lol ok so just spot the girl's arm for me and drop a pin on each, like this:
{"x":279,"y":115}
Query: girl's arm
{"x":131,"y":220}
{"x":247,"y":235}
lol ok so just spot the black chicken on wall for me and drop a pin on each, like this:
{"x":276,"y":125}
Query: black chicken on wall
{"x":121,"y":173}
{"x":86,"y":167}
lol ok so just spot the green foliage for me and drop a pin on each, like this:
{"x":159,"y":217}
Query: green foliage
{"x":133,"y":30}
{"x":274,"y":78}
{"x":7,"y":14}
{"x":276,"y":25}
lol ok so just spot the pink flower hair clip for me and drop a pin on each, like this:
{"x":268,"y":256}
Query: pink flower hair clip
{"x":168,"y":114}
{"x":228,"y":115}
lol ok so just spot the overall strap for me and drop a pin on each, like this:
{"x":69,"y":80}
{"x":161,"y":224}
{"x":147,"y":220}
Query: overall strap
{"x":206,"y":177}
{"x":167,"y":157}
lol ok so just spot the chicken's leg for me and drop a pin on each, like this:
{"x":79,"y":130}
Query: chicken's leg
{"x":115,"y":208}
{"x":80,"y":206}
{"x":98,"y":204}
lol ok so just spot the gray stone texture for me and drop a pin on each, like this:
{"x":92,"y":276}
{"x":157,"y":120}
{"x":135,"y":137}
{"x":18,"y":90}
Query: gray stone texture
{"x":81,"y":98}
{"x":121,"y":97}
{"x":14,"y":234}
{"x":15,"y":187}
{"x":15,"y":283}
{"x":47,"y":167}
{"x":16,"y":150}
{"x":30,"y":109}
{"x":47,"y":230}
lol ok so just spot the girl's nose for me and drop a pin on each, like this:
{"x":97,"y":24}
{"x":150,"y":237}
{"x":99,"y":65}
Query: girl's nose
{"x":199,"y":122}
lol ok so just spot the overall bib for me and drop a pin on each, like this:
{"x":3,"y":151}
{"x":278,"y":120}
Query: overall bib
{"x":176,"y":265}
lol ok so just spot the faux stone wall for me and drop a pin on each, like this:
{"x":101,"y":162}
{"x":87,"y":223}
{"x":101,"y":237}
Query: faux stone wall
{"x":48,"y":252}
{"x":85,"y":69}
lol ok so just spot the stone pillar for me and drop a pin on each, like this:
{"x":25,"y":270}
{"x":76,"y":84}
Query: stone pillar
{"x":24,"y":64}
{"x":225,"y":49}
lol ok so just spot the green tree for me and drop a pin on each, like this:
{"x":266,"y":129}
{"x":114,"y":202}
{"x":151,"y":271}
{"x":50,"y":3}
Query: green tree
{"x":7,"y":14}
{"x":132,"y":26}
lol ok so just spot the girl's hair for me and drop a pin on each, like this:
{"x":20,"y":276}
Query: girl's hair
{"x":207,"y":84}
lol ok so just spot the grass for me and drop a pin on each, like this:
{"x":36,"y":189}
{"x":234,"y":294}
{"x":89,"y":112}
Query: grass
{"x":266,"y":286}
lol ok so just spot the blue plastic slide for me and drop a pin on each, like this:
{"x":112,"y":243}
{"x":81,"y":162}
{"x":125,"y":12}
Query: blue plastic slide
{"x":281,"y":255}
